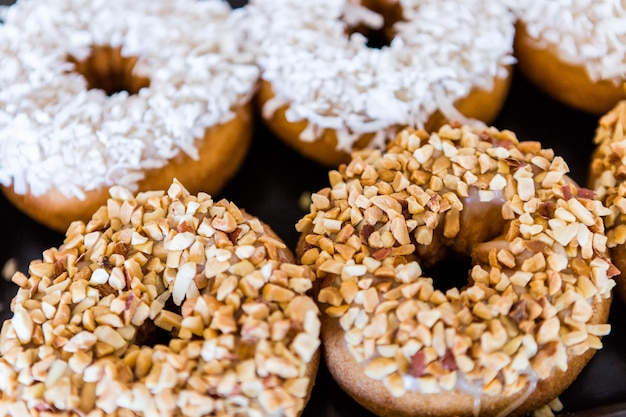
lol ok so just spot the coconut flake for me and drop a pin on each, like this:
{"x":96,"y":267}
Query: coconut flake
{"x":583,"y":32}
{"x":441,"y":51}
{"x":54,"y":133}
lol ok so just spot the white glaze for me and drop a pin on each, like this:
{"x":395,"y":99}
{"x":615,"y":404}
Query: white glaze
{"x":475,"y":390}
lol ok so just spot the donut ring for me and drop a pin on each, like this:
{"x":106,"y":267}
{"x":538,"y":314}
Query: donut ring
{"x":539,"y":289}
{"x":124,"y":92}
{"x":573,"y":50}
{"x":325,"y":92}
{"x":606,"y":178}
{"x":244,"y":336}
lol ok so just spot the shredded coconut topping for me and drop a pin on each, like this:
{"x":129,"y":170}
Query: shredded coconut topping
{"x":54,"y":132}
{"x":528,"y":306}
{"x":583,"y":32}
{"x":243,"y":330}
{"x":440,"y":52}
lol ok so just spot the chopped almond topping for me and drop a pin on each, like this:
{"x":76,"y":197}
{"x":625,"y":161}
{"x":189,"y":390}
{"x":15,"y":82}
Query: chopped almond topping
{"x":405,"y":208}
{"x":211,"y":276}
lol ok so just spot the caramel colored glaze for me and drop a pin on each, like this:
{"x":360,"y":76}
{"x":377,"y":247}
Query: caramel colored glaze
{"x":618,"y":254}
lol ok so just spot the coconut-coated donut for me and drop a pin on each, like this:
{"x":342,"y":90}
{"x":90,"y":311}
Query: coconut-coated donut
{"x":516,"y":333}
{"x":216,"y":281}
{"x":122,"y":92}
{"x":607,"y":173}
{"x":574,"y":50}
{"x":325,"y":92}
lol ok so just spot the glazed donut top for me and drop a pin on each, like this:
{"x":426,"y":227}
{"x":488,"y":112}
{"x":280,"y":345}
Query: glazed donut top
{"x":583,"y":32}
{"x":609,"y":170}
{"x":528,"y":304}
{"x":242,"y":329}
{"x":54,"y":132}
{"x":439,"y":53}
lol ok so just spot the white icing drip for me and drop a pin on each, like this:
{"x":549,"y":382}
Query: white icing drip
{"x":476,"y":406}
{"x":583,"y":32}
{"x":440,"y":53}
{"x":415,"y":384}
{"x":522,"y":399}
{"x":475,"y":390}
{"x":56,"y":133}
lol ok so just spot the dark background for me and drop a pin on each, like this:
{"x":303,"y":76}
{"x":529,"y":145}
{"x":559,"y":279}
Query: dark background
{"x":273,"y":178}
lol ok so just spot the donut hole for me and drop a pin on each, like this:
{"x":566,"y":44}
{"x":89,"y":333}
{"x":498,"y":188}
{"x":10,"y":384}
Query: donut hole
{"x":150,"y":334}
{"x":449,"y":260}
{"x":453,"y":272}
{"x":377,"y":37}
{"x":106,"y":69}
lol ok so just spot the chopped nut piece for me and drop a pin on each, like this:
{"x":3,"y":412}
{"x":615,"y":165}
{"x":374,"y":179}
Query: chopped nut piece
{"x":379,"y":368}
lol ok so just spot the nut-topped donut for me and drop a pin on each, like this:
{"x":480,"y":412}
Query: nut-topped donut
{"x":509,"y":339}
{"x":606,"y":177}
{"x":163,"y":304}
{"x":326,"y":91}
{"x":574,"y":50}
{"x":121,"y":92}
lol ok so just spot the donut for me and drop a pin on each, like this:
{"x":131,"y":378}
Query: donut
{"x":573,"y":50}
{"x":163,"y":304}
{"x":325,"y":90}
{"x":504,"y":339}
{"x":122,"y":92}
{"x":606,"y":179}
